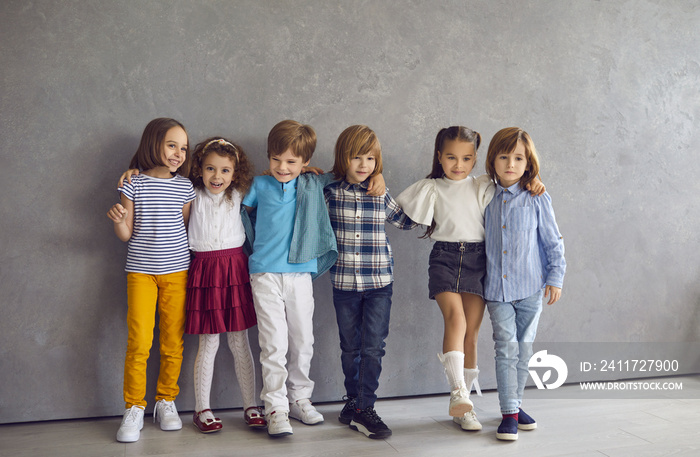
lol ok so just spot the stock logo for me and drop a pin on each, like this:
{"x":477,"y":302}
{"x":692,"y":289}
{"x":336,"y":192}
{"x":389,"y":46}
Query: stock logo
{"x":543,"y":360}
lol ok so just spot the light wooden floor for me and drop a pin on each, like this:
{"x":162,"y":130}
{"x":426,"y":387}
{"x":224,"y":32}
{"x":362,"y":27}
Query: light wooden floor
{"x":579,"y":427}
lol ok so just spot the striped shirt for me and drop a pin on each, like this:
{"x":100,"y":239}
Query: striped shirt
{"x":158,"y":243}
{"x":365,"y":261}
{"x":524,"y":249}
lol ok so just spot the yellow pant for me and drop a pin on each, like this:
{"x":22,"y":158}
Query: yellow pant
{"x":144,"y":292}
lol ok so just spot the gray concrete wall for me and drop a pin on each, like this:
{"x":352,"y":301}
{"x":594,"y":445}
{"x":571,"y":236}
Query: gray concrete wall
{"x":607,"y":89}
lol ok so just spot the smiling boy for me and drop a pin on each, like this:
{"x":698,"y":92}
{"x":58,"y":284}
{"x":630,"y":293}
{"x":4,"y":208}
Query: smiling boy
{"x":293,"y":242}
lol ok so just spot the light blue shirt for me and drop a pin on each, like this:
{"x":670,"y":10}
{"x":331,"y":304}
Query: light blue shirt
{"x":524,"y":249}
{"x":274,"y":226}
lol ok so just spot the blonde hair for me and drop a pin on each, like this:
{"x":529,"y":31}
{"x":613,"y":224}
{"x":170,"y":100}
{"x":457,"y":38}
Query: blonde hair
{"x":504,"y":142}
{"x":356,"y":140}
{"x":289,"y":134}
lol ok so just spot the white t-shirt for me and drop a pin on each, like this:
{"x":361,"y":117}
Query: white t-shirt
{"x":457,"y":206}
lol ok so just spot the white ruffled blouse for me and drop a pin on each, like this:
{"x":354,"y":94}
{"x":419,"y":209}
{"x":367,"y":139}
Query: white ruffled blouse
{"x":457,"y":206}
{"x":215,"y":222}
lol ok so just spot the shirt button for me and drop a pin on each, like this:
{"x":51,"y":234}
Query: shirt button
{"x":505,"y":276}
{"x":357,"y":236}
{"x":505,"y":201}
{"x":503,"y":226}
{"x":357,"y":253}
{"x":505,"y":252}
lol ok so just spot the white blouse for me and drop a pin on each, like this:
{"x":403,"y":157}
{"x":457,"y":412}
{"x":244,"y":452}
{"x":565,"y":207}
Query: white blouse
{"x":215,"y":222}
{"x":457,"y":206}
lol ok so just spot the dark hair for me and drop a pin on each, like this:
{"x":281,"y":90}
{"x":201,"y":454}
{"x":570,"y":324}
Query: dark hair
{"x":242,"y":168}
{"x":356,"y":140}
{"x":149,"y":153}
{"x":298,"y":137}
{"x":505,"y":142}
{"x":456,"y":132}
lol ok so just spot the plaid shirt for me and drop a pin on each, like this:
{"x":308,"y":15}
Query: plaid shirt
{"x":364,"y":253}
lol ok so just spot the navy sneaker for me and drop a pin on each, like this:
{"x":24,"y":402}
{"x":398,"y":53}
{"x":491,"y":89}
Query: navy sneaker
{"x":508,"y":430}
{"x":348,"y":411}
{"x":525,"y":422}
{"x":368,"y":422}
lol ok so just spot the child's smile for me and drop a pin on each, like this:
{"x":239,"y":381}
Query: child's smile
{"x":286,"y":167}
{"x":174,"y":148}
{"x":217,"y":172}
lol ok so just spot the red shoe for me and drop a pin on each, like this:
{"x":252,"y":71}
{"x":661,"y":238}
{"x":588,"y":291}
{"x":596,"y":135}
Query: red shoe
{"x":254,"y":418}
{"x":208,"y":426}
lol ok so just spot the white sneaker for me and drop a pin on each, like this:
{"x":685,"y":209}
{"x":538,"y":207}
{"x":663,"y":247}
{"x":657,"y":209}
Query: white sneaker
{"x":460,"y":402}
{"x":304,"y":411}
{"x":132,"y":423}
{"x":468,"y":421}
{"x":278,"y":424}
{"x":166,"y":413}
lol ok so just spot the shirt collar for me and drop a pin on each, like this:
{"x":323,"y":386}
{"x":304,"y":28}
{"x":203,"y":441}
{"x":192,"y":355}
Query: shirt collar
{"x":515,"y":189}
{"x":347,"y":186}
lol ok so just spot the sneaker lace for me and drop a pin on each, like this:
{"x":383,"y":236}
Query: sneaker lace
{"x":371,"y":415}
{"x":165,"y":408}
{"x":132,"y":416}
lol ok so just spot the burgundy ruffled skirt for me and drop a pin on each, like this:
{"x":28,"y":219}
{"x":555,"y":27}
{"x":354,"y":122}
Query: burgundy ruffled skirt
{"x":219,"y":298}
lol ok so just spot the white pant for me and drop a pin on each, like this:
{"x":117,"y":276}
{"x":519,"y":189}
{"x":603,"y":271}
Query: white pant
{"x":284,"y":304}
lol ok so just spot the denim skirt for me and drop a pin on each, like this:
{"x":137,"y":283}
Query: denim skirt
{"x":456,"y":267}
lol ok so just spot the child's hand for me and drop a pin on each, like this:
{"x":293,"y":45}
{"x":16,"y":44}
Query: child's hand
{"x":554,"y":294}
{"x":127,"y":175}
{"x":377,"y":186}
{"x":118,"y":214}
{"x":315,"y":170}
{"x":536,"y":187}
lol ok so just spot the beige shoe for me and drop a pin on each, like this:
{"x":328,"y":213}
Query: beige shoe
{"x":460,"y":402}
{"x":468,"y":422}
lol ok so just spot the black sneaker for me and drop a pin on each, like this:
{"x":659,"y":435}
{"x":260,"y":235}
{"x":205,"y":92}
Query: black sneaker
{"x":368,"y":422}
{"x":348,"y":411}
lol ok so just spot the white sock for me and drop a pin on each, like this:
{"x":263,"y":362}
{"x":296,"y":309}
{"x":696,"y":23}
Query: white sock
{"x":471,"y":378}
{"x":204,"y":371}
{"x":243,"y":363}
{"x":453,"y":362}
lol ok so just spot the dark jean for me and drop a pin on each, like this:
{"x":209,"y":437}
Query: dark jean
{"x":363,"y":324}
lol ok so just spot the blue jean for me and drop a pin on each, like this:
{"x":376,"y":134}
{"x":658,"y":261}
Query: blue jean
{"x":514,"y":329}
{"x":363,"y":324}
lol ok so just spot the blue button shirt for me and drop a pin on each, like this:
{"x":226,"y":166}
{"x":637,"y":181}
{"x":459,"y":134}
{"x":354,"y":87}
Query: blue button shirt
{"x":524,"y":249}
{"x":274,"y":226}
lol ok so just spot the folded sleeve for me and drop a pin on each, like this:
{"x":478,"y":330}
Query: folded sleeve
{"x":418,"y":201}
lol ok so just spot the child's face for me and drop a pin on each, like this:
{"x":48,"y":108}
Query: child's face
{"x":217,"y":172}
{"x":174,"y":150}
{"x":360,"y":168}
{"x":457,"y":159}
{"x":511,"y":166}
{"x":286,"y":166}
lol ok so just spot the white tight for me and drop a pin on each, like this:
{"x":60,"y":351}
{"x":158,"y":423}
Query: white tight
{"x":204,"y":367}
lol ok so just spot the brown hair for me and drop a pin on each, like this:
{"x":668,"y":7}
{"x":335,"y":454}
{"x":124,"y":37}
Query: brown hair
{"x":242,"y":168}
{"x":456,"y":132}
{"x":504,"y":142}
{"x":356,"y":140}
{"x":149,"y":153}
{"x":298,"y":137}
